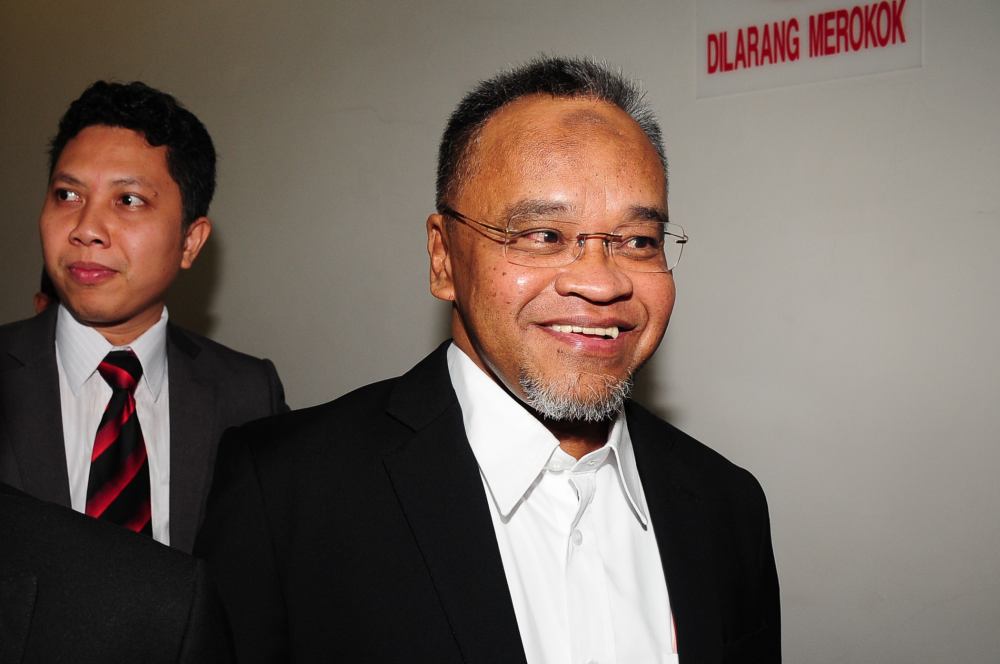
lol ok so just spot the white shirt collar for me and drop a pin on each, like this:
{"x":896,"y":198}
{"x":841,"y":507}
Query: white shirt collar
{"x":513,"y":454}
{"x":81,"y":348}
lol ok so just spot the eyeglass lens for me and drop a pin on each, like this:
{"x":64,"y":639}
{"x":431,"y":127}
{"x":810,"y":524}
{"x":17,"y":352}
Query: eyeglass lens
{"x":639,"y":247}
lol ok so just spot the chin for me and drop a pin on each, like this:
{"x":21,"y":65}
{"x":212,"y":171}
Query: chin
{"x":576,"y":397}
{"x":94,"y":316}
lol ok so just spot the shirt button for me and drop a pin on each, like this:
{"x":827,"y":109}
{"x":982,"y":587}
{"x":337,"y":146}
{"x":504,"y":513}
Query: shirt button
{"x":577,"y":537}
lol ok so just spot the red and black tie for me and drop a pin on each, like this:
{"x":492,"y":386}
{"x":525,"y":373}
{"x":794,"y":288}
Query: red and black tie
{"x":118,"y":490}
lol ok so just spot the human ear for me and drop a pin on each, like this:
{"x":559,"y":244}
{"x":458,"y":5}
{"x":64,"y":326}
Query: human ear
{"x":442,"y":284}
{"x":194,"y":239}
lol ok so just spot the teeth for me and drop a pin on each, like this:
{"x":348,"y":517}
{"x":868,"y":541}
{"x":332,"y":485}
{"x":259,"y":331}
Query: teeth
{"x":594,"y":331}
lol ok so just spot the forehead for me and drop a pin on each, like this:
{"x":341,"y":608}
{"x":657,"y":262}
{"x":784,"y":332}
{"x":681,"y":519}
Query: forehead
{"x":100,"y":149}
{"x":543,"y":146}
{"x":548,"y":116}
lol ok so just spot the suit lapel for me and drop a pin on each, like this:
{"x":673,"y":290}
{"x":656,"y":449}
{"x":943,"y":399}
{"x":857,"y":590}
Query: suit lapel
{"x":193,"y":419}
{"x":437,"y":482}
{"x":31,"y":414}
{"x":679,"y":519}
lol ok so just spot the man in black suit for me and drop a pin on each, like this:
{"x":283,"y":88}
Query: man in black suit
{"x":73,"y":589}
{"x":504,"y":501}
{"x":132,"y":173}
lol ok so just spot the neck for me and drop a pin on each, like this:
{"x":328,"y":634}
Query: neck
{"x":579,"y":438}
{"x":125,"y":332}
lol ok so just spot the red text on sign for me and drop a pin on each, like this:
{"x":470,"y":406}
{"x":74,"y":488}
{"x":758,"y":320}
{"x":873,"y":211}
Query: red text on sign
{"x":845,"y":30}
{"x":755,"y":46}
{"x":875,"y":25}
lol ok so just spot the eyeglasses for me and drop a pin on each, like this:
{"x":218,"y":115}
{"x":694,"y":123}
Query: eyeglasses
{"x":639,"y":246}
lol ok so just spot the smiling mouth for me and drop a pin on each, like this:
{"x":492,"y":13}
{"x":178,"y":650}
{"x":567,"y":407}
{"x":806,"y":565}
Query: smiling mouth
{"x":603,"y":332}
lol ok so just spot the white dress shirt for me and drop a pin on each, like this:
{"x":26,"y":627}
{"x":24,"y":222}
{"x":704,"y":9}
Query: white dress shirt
{"x":84,"y":394}
{"x":578,"y":549}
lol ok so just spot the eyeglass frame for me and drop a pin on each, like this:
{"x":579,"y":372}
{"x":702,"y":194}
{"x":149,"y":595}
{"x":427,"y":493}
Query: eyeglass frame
{"x":607,"y":239}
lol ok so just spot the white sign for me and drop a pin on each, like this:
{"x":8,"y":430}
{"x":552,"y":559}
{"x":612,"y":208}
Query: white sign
{"x":758,"y":44}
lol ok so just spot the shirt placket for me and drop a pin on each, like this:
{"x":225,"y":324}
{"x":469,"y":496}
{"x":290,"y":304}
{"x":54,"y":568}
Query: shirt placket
{"x":591,"y":635}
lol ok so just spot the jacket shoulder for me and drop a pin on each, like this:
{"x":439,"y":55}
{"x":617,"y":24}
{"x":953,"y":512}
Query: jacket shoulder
{"x":17,"y":328}
{"x":341,"y":421}
{"x":248,"y":387}
{"x":694,"y":463}
{"x":373,"y":417}
{"x":201,"y":347}
{"x":23,"y":338}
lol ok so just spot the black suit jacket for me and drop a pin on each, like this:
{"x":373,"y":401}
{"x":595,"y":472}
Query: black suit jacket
{"x":211,"y":388}
{"x":359,"y":531}
{"x":74,"y":589}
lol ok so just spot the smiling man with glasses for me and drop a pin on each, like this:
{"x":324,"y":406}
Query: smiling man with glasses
{"x":505,"y":501}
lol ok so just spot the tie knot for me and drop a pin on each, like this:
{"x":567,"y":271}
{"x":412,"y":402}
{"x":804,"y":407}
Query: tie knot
{"x":121,"y":369}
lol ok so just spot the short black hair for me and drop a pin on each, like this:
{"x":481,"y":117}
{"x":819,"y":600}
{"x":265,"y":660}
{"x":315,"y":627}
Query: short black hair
{"x":162,"y":120}
{"x":558,"y":77}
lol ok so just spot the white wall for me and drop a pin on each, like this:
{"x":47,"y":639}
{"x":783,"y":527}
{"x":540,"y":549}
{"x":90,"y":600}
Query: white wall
{"x":838,"y":305}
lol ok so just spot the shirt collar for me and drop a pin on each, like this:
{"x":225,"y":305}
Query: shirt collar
{"x":80,"y":349}
{"x":620,"y":442}
{"x":512,"y":456}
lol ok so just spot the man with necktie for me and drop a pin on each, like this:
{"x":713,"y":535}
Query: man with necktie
{"x":105,"y":405}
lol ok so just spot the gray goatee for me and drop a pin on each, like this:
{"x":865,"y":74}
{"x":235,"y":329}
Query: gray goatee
{"x":566,"y":400}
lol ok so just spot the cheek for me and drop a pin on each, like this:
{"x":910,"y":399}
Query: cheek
{"x":659,"y":302}
{"x":151,"y":244}
{"x":519,"y":290}
{"x":55,"y":244}
{"x":50,"y":229}
{"x":503,"y":286}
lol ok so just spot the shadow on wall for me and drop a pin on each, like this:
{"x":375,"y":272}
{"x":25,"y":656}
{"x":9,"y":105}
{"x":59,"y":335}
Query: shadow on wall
{"x":191,"y":296}
{"x":651,"y":389}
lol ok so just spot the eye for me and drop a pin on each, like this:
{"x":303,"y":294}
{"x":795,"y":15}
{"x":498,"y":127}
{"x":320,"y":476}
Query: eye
{"x":66,"y":195}
{"x":640,"y":241}
{"x":131,"y":201}
{"x":541,"y":236}
{"x":643,"y":242}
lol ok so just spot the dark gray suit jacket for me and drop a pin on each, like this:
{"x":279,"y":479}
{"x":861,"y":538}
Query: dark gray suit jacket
{"x":211,"y":388}
{"x":74,"y":589}
{"x":359,"y":531}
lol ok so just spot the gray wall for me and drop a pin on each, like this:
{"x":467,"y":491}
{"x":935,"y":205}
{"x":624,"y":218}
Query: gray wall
{"x":838,"y":306}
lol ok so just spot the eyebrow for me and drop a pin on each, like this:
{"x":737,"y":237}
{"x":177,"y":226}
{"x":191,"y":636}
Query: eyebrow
{"x":65,"y":177}
{"x":130,"y":180}
{"x":646,"y":213}
{"x":535,"y":208}
{"x":126,"y":181}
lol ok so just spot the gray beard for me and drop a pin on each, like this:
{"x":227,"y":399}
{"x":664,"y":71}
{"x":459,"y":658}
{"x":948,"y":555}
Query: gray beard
{"x":558,"y":402}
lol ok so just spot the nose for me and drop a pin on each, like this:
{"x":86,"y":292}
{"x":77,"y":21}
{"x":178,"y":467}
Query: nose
{"x":594,"y":276}
{"x":90,"y":227}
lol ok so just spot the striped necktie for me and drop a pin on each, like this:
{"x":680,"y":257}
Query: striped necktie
{"x":118,"y":490}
